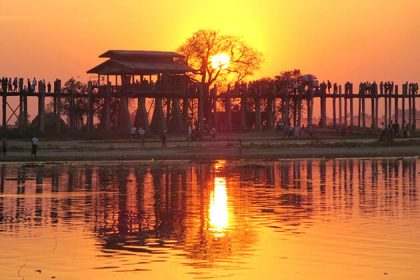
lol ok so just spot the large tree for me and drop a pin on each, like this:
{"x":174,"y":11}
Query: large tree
{"x":204,"y":45}
{"x":74,"y":108}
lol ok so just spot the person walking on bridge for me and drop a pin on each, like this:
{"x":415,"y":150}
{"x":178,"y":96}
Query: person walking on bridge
{"x":34,"y":85}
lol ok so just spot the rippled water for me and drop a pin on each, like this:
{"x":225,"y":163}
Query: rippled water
{"x":298,"y":219}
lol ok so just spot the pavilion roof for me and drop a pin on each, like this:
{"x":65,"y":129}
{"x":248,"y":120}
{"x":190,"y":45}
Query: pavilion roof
{"x":115,"y":67}
{"x":140,"y":54}
{"x":122,"y":62}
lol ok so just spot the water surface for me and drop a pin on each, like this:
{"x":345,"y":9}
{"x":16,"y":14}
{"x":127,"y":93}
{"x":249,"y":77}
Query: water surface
{"x":295,"y":219}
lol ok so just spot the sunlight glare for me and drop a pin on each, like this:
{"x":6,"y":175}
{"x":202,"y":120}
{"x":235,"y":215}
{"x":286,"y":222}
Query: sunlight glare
{"x":218,"y":212}
{"x":220,"y":61}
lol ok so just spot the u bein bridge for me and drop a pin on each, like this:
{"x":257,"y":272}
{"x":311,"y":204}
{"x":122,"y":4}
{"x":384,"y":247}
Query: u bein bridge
{"x":160,"y":78}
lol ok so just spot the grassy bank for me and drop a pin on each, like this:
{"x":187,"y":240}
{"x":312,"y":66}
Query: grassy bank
{"x":179,"y":149}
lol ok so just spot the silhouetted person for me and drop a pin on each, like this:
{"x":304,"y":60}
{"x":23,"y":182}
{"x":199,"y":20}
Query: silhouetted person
{"x":390,"y":129}
{"x":383,"y":128}
{"x":163,"y":138}
{"x":408,"y":130}
{"x":49,"y":87}
{"x":329,"y":86}
{"x":404,"y":129}
{"x":142,"y":133}
{"x":30,"y":86}
{"x":4,"y":146}
{"x":190,"y":133}
{"x":323,"y":87}
{"x":15,"y":84}
{"x":213,"y":133}
{"x":133,"y":132}
{"x":10,"y":85}
{"x":35,"y":142}
{"x":335,"y":89}
{"x":4,"y":84}
{"x":34,"y":85}
{"x":397,"y":130}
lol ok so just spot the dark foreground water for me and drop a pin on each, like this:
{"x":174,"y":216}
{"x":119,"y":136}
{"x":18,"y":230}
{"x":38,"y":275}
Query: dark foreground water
{"x":298,"y":219}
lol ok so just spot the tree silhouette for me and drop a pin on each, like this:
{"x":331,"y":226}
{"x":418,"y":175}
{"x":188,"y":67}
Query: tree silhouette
{"x":203,"y":45}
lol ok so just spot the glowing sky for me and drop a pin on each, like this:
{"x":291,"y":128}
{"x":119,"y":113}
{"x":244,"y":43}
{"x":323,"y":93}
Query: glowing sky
{"x":340,"y":40}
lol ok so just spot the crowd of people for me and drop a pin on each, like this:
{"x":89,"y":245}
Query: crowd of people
{"x":393,"y":130}
{"x":19,"y":85}
{"x":387,"y":87}
{"x":193,"y":134}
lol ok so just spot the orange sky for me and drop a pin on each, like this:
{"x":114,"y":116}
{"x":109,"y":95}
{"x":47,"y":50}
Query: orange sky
{"x":340,"y":40}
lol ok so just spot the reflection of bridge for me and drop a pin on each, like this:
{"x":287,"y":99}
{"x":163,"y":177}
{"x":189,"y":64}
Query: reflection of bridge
{"x":143,"y":209}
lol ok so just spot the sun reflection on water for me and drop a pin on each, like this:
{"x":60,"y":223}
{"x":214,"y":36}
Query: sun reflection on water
{"x":218,"y":210}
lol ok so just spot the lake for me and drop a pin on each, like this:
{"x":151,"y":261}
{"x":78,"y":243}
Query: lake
{"x":291,"y":219}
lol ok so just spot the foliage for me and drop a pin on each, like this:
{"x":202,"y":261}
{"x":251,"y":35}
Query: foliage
{"x":72,"y":107}
{"x":288,"y":79}
{"x":204,"y":44}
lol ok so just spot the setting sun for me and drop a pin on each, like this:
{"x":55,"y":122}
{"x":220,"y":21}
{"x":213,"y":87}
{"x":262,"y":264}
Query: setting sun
{"x":220,"y":60}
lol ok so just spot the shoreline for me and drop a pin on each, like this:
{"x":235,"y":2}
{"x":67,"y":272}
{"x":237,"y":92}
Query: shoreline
{"x":100,"y":151}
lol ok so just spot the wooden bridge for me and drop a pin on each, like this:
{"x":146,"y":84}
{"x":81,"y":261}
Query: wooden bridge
{"x":161,"y":79}
{"x":394,"y":105}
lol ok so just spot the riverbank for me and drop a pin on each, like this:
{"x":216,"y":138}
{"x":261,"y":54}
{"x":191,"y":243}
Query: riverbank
{"x":179,"y":149}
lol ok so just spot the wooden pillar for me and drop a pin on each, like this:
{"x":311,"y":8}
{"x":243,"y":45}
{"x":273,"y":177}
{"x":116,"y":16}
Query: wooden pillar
{"x":108,"y":107}
{"x":410,"y":106}
{"x":376,"y":109}
{"x":41,"y":107}
{"x":385,"y":109}
{"x":228,"y":110}
{"x":309,"y":107}
{"x":396,"y":104}
{"x":90,"y":106}
{"x":346,"y":91}
{"x":258,"y":107}
{"x":185,"y":108}
{"x":364,"y":108}
{"x":298,"y":102}
{"x":25,"y":108}
{"x":201,"y":107}
{"x":57,"y":92}
{"x":404,"y":93}
{"x":243,"y":93}
{"x":142,"y":118}
{"x":294,"y":110}
{"x":413,"y":110}
{"x":55,"y":99}
{"x":158,"y":120}
{"x":389,"y":97}
{"x":169,"y":106}
{"x":176,"y":123}
{"x":270,"y":107}
{"x":185,"y":104}
{"x":4,"y":108}
{"x":359,"y":112}
{"x":21,"y":122}
{"x":323,"y":109}
{"x":334,"y":104}
{"x":372,"y":110}
{"x":286,"y":101}
{"x":340,"y":106}
{"x":214,"y":104}
{"x":71,"y":117}
{"x":351,"y":110}
{"x":124,"y":117}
